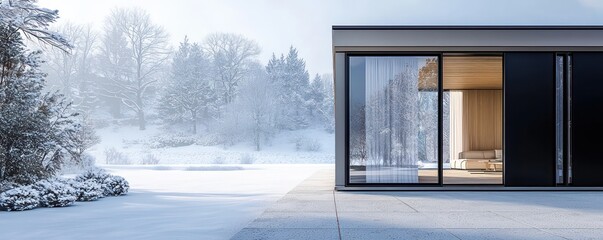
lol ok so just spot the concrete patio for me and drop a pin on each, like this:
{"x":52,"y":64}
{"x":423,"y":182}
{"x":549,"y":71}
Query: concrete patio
{"x":314,"y":211}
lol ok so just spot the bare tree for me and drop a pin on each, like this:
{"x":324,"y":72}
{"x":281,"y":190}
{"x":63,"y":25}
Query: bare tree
{"x":70,"y":71}
{"x":231,"y":55}
{"x":147,"y":52}
{"x":256,"y":104}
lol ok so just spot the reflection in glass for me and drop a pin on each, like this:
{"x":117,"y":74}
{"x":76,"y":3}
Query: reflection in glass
{"x":559,"y":117}
{"x":393,"y":119}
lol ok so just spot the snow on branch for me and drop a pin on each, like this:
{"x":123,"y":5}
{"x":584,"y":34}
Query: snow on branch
{"x":32,"y":21}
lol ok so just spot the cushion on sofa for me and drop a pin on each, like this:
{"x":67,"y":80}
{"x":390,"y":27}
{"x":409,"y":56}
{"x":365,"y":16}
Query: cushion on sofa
{"x":489,"y":154}
{"x":471,"y":155}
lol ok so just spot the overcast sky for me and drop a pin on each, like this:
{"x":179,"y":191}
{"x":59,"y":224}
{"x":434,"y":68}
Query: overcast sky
{"x":306,"y":24}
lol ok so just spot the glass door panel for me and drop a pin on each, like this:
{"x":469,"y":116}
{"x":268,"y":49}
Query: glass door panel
{"x":393,"y":119}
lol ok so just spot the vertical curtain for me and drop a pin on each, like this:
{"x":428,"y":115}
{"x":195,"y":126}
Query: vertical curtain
{"x":456,"y":124}
{"x":391,"y":116}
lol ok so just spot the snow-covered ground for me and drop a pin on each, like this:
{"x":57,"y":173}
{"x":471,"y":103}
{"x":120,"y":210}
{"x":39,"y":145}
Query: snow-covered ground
{"x":131,"y":141}
{"x":166,"y":202}
{"x":186,"y":196}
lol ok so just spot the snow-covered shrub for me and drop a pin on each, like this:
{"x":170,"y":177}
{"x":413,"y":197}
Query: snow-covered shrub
{"x":219,"y":160}
{"x":112,"y":156}
{"x":97,"y":174}
{"x":247,"y":158}
{"x":54,"y":193}
{"x":115,"y":186}
{"x":7,"y":185}
{"x":110,"y":185}
{"x":88,"y":190}
{"x":149,"y":159}
{"x":177,"y":140}
{"x":209,"y":140}
{"x":19,"y":199}
{"x":303,"y":143}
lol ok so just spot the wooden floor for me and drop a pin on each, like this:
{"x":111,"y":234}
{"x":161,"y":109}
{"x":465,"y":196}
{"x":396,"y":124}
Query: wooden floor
{"x":456,"y":176}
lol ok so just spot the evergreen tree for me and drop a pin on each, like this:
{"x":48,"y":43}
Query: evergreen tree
{"x":316,"y":97}
{"x":33,"y":125}
{"x":291,"y":81}
{"x":188,"y":96}
{"x":320,"y":103}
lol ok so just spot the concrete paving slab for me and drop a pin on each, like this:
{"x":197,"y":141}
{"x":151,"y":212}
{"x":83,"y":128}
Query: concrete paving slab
{"x":309,"y":196}
{"x":373,"y":206}
{"x":375,"y":196}
{"x":577,"y":233}
{"x":295,"y":220}
{"x":385,"y":220}
{"x":563,"y":219}
{"x":503,"y":234}
{"x":474,"y":220}
{"x":395,"y":233}
{"x":292,"y":205}
{"x":286,"y":233}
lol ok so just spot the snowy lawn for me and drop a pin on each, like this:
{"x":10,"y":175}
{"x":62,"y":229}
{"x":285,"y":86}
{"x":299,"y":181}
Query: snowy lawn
{"x":131,"y":142}
{"x":166,"y":202}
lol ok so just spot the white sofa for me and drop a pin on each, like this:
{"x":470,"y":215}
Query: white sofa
{"x":475,"y":160}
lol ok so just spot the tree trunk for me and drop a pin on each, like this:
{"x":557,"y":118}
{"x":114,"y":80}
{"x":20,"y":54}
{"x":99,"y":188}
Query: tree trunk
{"x":257,"y":140}
{"x":194,"y":122}
{"x":142,"y":124}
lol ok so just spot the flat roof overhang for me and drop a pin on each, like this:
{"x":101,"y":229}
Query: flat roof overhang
{"x":466,"y":38}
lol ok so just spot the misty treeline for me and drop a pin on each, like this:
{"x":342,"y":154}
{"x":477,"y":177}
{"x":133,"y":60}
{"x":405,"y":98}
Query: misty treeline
{"x":126,"y":71}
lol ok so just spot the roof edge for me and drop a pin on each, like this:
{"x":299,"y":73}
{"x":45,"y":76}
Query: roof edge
{"x":467,"y":27}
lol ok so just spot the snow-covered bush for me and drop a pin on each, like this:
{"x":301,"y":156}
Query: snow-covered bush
{"x":88,"y":190}
{"x":54,"y":193}
{"x":303,"y":143}
{"x":177,"y":140}
{"x":7,"y":185}
{"x":97,"y":174}
{"x":219,"y":160}
{"x":149,"y":159}
{"x":209,"y":140}
{"x":110,"y":185}
{"x":112,"y":156}
{"x":115,"y":186}
{"x":19,"y":199}
{"x":247,"y":158}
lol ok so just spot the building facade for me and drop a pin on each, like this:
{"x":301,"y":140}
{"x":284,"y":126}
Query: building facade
{"x":468,"y":107}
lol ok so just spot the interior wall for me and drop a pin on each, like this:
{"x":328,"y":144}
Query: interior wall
{"x":482,"y":119}
{"x":475,"y":120}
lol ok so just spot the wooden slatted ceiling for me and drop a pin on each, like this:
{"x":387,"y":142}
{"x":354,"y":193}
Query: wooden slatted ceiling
{"x":472,"y":72}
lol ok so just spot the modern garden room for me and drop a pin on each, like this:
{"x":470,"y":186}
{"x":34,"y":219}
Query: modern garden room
{"x":467,"y":107}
